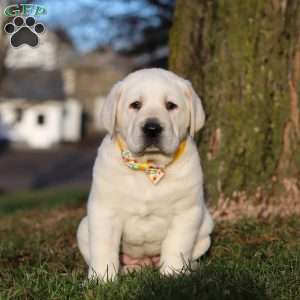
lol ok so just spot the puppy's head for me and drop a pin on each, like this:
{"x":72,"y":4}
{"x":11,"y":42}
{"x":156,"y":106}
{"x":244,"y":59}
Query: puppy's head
{"x":153,"y":110}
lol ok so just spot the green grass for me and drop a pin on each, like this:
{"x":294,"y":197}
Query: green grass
{"x":39,"y":258}
{"x":41,"y":199}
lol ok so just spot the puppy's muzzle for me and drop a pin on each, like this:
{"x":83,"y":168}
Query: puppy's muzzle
{"x":152,"y":129}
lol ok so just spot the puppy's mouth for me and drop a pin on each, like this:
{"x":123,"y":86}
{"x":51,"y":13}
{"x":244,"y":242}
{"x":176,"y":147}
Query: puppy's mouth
{"x":155,"y":149}
{"x":152,"y":145}
{"x":152,"y":149}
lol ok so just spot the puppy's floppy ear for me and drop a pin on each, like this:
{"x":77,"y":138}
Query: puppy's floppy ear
{"x":109,"y":109}
{"x":197,"y":115}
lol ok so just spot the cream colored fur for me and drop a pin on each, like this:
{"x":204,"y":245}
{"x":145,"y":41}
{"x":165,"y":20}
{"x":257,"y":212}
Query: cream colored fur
{"x":126,"y":211}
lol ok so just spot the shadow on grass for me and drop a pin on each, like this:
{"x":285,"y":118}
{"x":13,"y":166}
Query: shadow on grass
{"x":220,"y":286}
{"x":209,"y":284}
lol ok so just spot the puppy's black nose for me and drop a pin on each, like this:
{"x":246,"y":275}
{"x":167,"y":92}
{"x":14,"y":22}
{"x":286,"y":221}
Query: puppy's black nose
{"x":152,"y":128}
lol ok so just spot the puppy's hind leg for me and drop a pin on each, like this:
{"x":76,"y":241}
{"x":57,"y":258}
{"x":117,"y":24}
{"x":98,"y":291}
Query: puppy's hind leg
{"x":201,"y":247}
{"x":203,"y":240}
{"x":83,"y":239}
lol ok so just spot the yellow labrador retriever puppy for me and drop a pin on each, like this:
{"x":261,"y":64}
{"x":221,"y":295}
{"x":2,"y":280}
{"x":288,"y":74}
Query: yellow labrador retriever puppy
{"x":146,"y":202}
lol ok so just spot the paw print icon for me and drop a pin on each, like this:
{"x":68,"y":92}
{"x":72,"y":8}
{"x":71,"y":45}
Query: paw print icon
{"x":24,"y":31}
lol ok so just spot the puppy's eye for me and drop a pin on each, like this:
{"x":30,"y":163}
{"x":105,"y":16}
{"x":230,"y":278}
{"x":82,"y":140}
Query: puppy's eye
{"x":136,"y":105}
{"x":170,"y":105}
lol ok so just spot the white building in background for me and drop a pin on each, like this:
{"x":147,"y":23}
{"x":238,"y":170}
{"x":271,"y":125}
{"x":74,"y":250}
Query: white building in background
{"x":35,"y":107}
{"x":72,"y":121}
{"x":40,"y":125}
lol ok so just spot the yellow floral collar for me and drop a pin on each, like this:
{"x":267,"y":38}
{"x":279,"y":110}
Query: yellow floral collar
{"x":155,"y":173}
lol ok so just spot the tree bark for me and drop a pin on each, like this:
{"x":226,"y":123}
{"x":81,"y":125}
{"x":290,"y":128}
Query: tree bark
{"x":243,"y":58}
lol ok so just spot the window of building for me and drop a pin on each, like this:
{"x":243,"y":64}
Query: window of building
{"x":19,"y":114}
{"x":41,"y":119}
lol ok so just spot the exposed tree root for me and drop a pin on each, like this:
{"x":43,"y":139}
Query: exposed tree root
{"x":261,"y":206}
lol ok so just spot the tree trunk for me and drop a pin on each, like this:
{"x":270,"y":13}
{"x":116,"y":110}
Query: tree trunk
{"x":243,"y":58}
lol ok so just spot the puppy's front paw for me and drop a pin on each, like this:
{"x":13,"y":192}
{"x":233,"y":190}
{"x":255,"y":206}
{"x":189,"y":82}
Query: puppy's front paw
{"x":104,"y":273}
{"x":172,"y":266}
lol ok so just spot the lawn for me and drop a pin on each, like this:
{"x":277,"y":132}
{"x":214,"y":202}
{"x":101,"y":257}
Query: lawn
{"x":251,"y":259}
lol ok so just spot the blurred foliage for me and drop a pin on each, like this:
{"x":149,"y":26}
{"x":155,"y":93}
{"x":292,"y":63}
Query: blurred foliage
{"x":120,"y":24}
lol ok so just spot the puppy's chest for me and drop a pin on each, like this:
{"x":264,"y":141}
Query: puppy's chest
{"x":148,"y":210}
{"x":146,"y":224}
